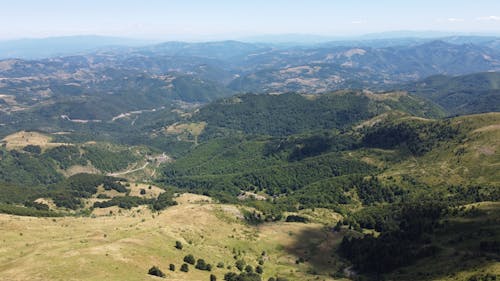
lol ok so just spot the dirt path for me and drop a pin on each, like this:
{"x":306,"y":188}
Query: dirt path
{"x":128,"y":171}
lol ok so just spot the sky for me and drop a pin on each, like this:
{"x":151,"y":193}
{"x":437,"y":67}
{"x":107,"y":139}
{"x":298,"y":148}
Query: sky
{"x":228,"y":19}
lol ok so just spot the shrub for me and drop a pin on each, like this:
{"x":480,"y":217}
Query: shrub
{"x":240,"y":264}
{"x":171,"y":267}
{"x":156,"y":272}
{"x":259,"y":269}
{"x":184,"y":267}
{"x":201,"y":264}
{"x":189,"y":259}
{"x":178,"y":245}
{"x":230,"y":276}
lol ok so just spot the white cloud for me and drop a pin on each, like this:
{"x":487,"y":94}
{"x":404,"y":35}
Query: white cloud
{"x":488,"y":18}
{"x":358,"y":21}
{"x":450,"y":20}
{"x":454,"y":20}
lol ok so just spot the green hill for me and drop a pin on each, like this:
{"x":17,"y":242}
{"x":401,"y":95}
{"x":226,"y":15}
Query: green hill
{"x":460,"y":95}
{"x":286,"y":114}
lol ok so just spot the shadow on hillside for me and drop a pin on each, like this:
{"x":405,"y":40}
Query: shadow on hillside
{"x":316,"y":247}
{"x":460,"y":256}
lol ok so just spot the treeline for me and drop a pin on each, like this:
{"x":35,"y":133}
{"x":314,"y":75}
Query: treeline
{"x":26,"y":211}
{"x":274,"y":180}
{"x":418,"y":137}
{"x":402,"y":244}
{"x":283,"y":115}
{"x":31,"y":166}
{"x":69,"y":192}
{"x":163,"y":201}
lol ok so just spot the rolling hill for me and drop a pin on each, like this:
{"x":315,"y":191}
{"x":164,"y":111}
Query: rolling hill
{"x":460,"y":95}
{"x":116,"y":161}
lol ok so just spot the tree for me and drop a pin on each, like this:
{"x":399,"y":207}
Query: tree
{"x":230,"y":276}
{"x":249,"y":276}
{"x":143,"y":191}
{"x":36,"y":149}
{"x":338,"y":226}
{"x":178,"y":245}
{"x":155,"y":271}
{"x":171,"y":267}
{"x":201,"y":264}
{"x":213,"y":277}
{"x":184,"y":267}
{"x":259,"y":269}
{"x":249,"y":269}
{"x":240,"y":264}
{"x":189,"y":259}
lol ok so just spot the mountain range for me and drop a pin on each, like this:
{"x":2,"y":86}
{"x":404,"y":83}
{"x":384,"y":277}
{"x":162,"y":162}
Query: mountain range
{"x":375,"y":160}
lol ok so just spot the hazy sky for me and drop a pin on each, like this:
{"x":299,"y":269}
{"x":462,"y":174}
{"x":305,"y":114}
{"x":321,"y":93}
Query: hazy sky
{"x":169,"y":19}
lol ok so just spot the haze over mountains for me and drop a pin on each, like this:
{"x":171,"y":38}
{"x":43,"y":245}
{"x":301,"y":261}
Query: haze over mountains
{"x":201,"y":72}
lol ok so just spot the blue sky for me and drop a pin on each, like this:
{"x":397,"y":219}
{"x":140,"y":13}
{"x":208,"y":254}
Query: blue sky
{"x":184,"y":19}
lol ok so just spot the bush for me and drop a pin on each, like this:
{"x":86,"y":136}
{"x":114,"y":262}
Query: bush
{"x":36,"y":149}
{"x":213,"y":278}
{"x":293,"y":218}
{"x":156,"y":272}
{"x":171,"y":267}
{"x":240,"y":264}
{"x":184,"y":267}
{"x":259,"y":269}
{"x":178,"y":245}
{"x":201,"y":264}
{"x":189,"y":259}
{"x":230,"y":276}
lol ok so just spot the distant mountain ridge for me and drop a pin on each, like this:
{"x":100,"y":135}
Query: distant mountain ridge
{"x":111,"y":81}
{"x":37,"y":48}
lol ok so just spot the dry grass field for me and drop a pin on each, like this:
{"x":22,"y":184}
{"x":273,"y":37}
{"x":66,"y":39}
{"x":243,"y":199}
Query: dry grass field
{"x":124,"y":245}
{"x":21,"y":139}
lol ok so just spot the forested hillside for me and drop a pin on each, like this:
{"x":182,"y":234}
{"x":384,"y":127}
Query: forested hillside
{"x":469,"y":94}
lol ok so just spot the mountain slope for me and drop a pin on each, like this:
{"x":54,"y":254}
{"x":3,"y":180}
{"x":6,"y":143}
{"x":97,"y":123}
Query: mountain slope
{"x":281,"y":115}
{"x":459,"y":95}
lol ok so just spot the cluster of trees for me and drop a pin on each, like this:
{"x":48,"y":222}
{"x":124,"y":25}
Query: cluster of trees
{"x":300,"y":147}
{"x":124,"y":202}
{"x":66,"y":156}
{"x":22,"y":168}
{"x":400,"y":245}
{"x":475,"y":193}
{"x":283,"y":115}
{"x":163,"y":201}
{"x":31,"y":166}
{"x":275,"y":179}
{"x":68,"y":193}
{"x":24,"y":211}
{"x":418,"y":137}
{"x":109,"y":159}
